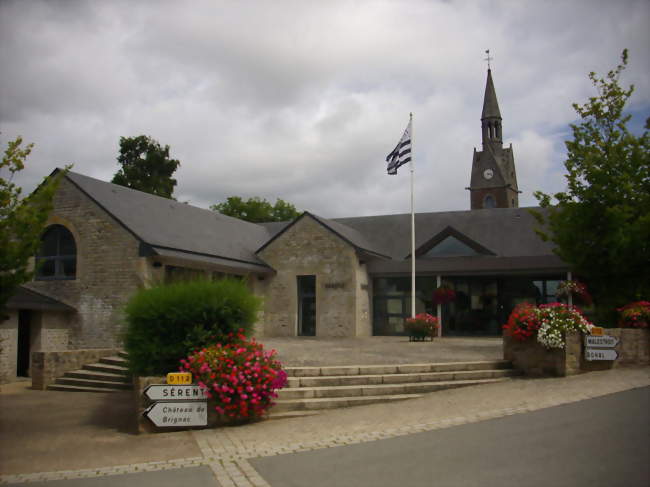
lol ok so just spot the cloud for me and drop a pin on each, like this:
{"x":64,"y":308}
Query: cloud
{"x":303,"y":100}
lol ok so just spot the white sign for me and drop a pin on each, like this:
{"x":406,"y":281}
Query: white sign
{"x":190,"y":413}
{"x":601,"y":354}
{"x":601,"y":341}
{"x":168,"y":392}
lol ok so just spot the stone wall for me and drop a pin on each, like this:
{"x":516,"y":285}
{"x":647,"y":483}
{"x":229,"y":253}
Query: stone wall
{"x":47,"y":366}
{"x":109,"y":270}
{"x":534,"y":359}
{"x":9,"y":348}
{"x":308,"y":248}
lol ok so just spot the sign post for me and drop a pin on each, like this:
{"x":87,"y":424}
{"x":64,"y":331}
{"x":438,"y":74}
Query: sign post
{"x":599,"y":346}
{"x":176,"y":413}
{"x":178,"y":403}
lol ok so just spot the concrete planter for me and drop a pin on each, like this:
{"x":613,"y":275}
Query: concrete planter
{"x":533,"y":359}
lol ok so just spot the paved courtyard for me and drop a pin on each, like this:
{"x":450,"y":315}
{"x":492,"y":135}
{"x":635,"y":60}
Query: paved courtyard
{"x":53,"y":436}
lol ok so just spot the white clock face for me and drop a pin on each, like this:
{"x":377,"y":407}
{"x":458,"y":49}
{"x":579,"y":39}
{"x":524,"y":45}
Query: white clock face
{"x":488,"y":173}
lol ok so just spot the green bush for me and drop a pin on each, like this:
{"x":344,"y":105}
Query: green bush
{"x":166,"y":323}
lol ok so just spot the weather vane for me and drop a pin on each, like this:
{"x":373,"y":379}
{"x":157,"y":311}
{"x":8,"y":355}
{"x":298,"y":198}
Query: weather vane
{"x":488,"y":58}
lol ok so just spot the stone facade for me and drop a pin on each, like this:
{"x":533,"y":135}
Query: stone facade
{"x":342,"y":302}
{"x":109,"y":270}
{"x":8,"y":348}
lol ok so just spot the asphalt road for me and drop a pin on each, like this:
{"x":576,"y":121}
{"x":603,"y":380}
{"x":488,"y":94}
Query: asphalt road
{"x":598,"y":442}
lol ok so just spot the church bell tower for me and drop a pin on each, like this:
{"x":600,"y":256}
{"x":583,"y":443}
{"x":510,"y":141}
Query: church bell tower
{"x":493,"y":182}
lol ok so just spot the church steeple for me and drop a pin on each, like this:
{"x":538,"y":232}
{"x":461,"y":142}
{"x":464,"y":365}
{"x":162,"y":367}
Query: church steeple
{"x":491,"y":116}
{"x":493,"y":182}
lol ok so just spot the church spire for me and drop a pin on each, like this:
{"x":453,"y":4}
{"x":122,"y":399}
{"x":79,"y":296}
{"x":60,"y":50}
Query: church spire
{"x":491,"y":116}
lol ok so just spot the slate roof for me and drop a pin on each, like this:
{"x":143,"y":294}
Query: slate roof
{"x":507,"y":232}
{"x":490,"y":103}
{"x":179,"y":230}
{"x":169,"y":225}
{"x":25,"y":298}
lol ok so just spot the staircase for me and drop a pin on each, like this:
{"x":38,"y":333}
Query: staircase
{"x":109,"y":375}
{"x":313,"y":388}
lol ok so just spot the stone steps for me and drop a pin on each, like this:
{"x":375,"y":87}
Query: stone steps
{"x":314,"y":388}
{"x":110,"y":374}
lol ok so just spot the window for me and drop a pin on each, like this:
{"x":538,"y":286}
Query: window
{"x":57,"y":257}
{"x":489,"y":202}
{"x":450,"y":246}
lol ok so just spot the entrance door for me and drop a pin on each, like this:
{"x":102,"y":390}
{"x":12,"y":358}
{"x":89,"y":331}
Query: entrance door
{"x":307,"y":305}
{"x":24,"y":343}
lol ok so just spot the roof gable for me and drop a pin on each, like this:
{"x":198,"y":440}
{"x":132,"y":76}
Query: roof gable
{"x":450,"y":243}
{"x":349,"y":235}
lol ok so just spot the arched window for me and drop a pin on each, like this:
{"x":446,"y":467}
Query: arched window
{"x":57,"y":257}
{"x":489,"y":202}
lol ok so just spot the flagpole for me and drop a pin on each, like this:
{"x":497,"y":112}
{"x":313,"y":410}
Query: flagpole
{"x":412,"y":226}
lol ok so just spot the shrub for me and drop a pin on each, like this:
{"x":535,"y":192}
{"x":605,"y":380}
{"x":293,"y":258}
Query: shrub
{"x":635,"y":315}
{"x":167,"y":322}
{"x":523,"y":322}
{"x":556,"y":319}
{"x":423,"y":325}
{"x":240,"y":377}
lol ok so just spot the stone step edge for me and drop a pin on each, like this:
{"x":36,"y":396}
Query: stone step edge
{"x":416,"y":376}
{"x":287,"y":405}
{"x":73,"y":381}
{"x":108,"y":368}
{"x":96,"y":375}
{"x":113,"y":360}
{"x":436,"y":385}
{"x":329,"y":370}
{"x":69,"y":388}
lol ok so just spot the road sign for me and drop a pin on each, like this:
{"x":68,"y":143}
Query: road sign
{"x":179,"y":378}
{"x":170,"y":392}
{"x":600,"y":354}
{"x":178,"y":414}
{"x":604,"y":341}
{"x":597,"y":330}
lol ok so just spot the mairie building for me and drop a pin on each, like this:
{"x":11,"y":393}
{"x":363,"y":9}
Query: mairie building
{"x":343,"y":277}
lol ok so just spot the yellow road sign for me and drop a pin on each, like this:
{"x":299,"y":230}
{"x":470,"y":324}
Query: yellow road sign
{"x":177,"y":378}
{"x":597,"y":330}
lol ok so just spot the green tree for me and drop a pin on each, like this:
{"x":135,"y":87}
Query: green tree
{"x":257,"y":210}
{"x":21,"y":220}
{"x":600,"y":224}
{"x":146,"y":166}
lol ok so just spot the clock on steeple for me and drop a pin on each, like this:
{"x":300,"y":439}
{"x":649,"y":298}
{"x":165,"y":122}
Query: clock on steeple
{"x":494,"y":181}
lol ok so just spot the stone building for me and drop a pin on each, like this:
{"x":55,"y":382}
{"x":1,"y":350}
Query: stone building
{"x":319,"y":277}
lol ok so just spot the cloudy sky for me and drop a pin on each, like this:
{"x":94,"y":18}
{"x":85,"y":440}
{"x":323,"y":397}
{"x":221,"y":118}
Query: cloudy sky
{"x":302,"y":100}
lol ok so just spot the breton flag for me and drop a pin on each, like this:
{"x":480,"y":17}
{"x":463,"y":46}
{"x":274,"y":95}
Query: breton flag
{"x":401,"y":154}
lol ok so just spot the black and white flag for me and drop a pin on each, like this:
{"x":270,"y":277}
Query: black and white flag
{"x":401,"y":154}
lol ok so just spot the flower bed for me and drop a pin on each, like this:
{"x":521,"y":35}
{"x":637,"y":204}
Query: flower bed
{"x":240,"y":377}
{"x":548,"y":323}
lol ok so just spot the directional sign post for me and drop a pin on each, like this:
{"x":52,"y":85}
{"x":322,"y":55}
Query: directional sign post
{"x":603,"y":341}
{"x":600,"y":347}
{"x":600,"y":354}
{"x":179,"y":414}
{"x":169,"y":392}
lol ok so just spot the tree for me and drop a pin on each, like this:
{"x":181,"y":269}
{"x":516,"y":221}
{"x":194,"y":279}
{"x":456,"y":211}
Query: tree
{"x":21,"y":220}
{"x":257,"y":210}
{"x":146,"y":166}
{"x":601,"y":223}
